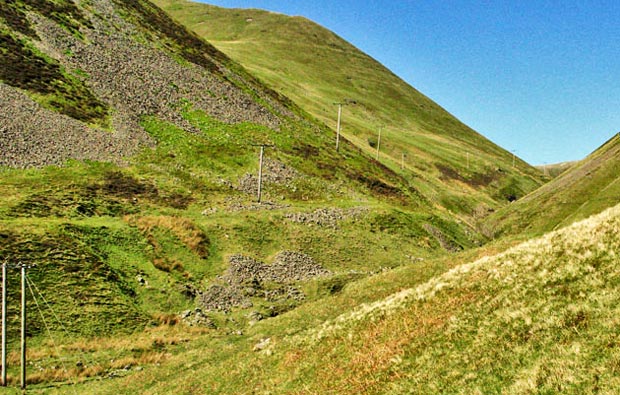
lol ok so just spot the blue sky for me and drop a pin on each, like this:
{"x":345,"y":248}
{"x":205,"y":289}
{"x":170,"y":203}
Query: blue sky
{"x":540,"y":78}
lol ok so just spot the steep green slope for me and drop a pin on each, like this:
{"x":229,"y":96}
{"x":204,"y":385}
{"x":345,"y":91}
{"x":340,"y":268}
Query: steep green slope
{"x":129,"y":161}
{"x":588,"y":187}
{"x":452,"y":165}
{"x":540,"y":317}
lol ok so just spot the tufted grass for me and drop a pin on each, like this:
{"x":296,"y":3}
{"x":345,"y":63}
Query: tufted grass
{"x":172,"y":218}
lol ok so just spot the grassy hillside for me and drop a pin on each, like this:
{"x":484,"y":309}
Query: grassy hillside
{"x":128,"y":166}
{"x":129,"y":177}
{"x":452,"y":165}
{"x":540,"y":317}
{"x":588,"y":187}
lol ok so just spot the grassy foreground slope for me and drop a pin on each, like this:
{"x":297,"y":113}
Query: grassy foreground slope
{"x":541,"y":317}
{"x":452,"y":165}
{"x":588,"y":187}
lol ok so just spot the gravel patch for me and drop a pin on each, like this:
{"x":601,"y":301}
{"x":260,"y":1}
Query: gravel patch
{"x":31,"y":135}
{"x":274,"y":172}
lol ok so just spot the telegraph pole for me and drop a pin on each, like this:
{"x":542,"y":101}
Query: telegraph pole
{"x":23,"y":323}
{"x":260,"y":168}
{"x":379,"y":141}
{"x":338,"y":130}
{"x":338,"y":127}
{"x":4,"y":324}
{"x":23,"y":327}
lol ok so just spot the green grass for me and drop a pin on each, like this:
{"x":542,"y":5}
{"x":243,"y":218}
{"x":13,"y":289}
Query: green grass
{"x":117,"y":249}
{"x":94,"y":229}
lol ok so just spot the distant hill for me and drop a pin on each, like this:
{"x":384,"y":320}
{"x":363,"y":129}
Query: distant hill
{"x":587,"y":187}
{"x":449,"y":163}
{"x":555,"y":169}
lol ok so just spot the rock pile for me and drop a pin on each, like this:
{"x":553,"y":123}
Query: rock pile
{"x":291,"y":266}
{"x":246,"y":277}
{"x":31,"y":135}
{"x":197,"y":318}
{"x":237,"y":205}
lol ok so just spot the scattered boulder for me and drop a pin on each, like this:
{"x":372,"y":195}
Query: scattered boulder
{"x":262,"y":344}
{"x":255,"y":316}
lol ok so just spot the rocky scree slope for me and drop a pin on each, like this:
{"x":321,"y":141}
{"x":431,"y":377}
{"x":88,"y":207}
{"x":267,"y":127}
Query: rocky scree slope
{"x":75,"y":80}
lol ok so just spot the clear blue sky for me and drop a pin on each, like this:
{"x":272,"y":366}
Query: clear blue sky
{"x":541,"y":78}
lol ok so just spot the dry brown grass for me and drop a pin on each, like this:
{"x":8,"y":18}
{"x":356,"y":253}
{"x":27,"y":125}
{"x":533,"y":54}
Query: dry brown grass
{"x":374,"y":348}
{"x":167,"y":319}
{"x":182,"y":228}
{"x":192,"y":236}
{"x":100,"y":356}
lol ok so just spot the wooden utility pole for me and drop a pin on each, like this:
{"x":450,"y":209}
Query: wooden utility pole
{"x":23,"y":327}
{"x":338,"y":127}
{"x":23,"y":324}
{"x":4,"y":324}
{"x":260,"y":171}
{"x":379,"y":142}
{"x":402,"y":161}
{"x":260,"y":168}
